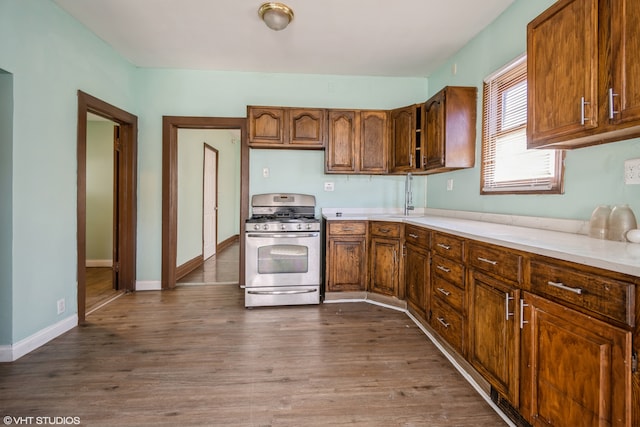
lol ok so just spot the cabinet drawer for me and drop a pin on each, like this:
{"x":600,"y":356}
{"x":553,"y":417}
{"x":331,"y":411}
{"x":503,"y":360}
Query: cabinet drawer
{"x":608,"y":297}
{"x":452,"y":295}
{"x":447,"y":323}
{"x":385,"y":229}
{"x":447,"y":246}
{"x":448,"y":270}
{"x":498,"y":261}
{"x":347,"y":227}
{"x":416,"y":235}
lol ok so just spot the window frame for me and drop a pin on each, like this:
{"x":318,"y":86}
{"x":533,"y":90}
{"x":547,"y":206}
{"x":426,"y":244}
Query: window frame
{"x":554,"y":185}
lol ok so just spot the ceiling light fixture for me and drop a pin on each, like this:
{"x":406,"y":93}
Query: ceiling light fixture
{"x":276,"y":15}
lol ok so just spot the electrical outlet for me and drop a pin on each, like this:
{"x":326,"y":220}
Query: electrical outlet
{"x":61,"y":307}
{"x":632,"y":171}
{"x":265,"y":172}
{"x":449,"y":184}
{"x":328,"y":186}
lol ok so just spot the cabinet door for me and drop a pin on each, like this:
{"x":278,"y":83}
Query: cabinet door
{"x":307,"y":127}
{"x":433,"y":132}
{"x":416,"y":267}
{"x":562,"y":71}
{"x":266,"y":126}
{"x":374,"y":145}
{"x":495,"y":333}
{"x":576,"y":370}
{"x":403,"y":125}
{"x":341,"y":144}
{"x":625,"y":37}
{"x":384,"y":266}
{"x":346,"y":261}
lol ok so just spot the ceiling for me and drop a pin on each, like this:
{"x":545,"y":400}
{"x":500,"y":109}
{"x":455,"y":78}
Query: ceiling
{"x":401,"y":38}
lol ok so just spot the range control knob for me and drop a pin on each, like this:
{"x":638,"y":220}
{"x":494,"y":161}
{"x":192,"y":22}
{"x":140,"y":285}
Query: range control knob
{"x":283,"y":227}
{"x":256,"y":226}
{"x":308,"y":226}
{"x":299,"y":227}
{"x":265,"y":227}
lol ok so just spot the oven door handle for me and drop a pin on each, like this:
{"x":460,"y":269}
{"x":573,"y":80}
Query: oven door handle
{"x":291,"y":235}
{"x":305,"y":291}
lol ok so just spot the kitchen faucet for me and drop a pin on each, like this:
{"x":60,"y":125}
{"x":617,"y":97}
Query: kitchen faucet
{"x":408,"y":194}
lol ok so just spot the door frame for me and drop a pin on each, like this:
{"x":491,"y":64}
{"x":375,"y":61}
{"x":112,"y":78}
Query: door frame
{"x":127,"y":193}
{"x":170,"y":126}
{"x":206,"y":148}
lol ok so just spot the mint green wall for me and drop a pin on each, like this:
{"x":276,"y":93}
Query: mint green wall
{"x":190,"y":187}
{"x":593,"y":175}
{"x":99,"y":190}
{"x":51,"y":56}
{"x":6,"y":195}
{"x":227,"y":94}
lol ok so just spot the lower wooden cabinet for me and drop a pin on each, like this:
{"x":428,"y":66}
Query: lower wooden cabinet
{"x":494,"y":333}
{"x":576,"y":370}
{"x":416,"y":278}
{"x":384,"y":258}
{"x":346,"y":256}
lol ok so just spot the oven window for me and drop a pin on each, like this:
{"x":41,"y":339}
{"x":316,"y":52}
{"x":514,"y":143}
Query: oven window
{"x":276,"y":259}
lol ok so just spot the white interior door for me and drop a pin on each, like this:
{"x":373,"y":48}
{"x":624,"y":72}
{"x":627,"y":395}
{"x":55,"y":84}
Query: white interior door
{"x":210,"y":202}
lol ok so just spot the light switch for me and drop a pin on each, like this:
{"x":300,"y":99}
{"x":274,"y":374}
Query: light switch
{"x":265,"y":172}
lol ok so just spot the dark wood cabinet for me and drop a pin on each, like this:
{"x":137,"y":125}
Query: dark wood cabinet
{"x":346,"y":252}
{"x":575,"y":370}
{"x":449,"y":129}
{"x":416,"y":269}
{"x":357,"y":142}
{"x":405,"y":142}
{"x":281,"y":127}
{"x":384,"y":258}
{"x":586,"y":92}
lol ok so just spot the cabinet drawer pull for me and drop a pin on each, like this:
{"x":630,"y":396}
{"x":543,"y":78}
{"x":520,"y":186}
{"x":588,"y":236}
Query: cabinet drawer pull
{"x":488,"y":261}
{"x":582,"y":117}
{"x":564,"y":287}
{"x":347,"y":228}
{"x":507,"y":298}
{"x":443,"y":246}
{"x":385,"y":230}
{"x":445,"y":269}
{"x":444,"y":292}
{"x":444,"y":322}
{"x":612,"y":110}
{"x":413,"y":236}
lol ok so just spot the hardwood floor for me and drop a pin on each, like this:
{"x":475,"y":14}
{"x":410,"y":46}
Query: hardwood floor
{"x":195,"y":356}
{"x":222,"y":268}
{"x":99,"y":288}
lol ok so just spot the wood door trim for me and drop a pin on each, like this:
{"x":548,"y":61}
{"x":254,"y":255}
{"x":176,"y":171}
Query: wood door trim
{"x":170,"y":126}
{"x":128,"y":186}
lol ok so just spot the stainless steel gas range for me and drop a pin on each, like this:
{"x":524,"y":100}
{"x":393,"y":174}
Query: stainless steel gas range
{"x":282,"y":256}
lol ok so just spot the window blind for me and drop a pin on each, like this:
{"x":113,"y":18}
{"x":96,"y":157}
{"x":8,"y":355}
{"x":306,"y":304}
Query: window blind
{"x":507,"y":165}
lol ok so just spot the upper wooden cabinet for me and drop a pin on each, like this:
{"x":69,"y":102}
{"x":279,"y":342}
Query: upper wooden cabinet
{"x":405,"y":146}
{"x":357,"y":142}
{"x":449,"y":129}
{"x":280,"y":127}
{"x":583,"y":63}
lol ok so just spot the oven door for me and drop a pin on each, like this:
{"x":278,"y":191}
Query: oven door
{"x":282,"y":259}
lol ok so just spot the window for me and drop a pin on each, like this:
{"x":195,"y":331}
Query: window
{"x":507,"y":165}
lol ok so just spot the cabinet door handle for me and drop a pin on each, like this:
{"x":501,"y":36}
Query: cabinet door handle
{"x":444,"y":292}
{"x":522,"y":306}
{"x":582,"y":117}
{"x":413,"y":236}
{"x":507,"y":298}
{"x":564,"y":287}
{"x":443,"y":246}
{"x":444,"y":322}
{"x":445,"y":269}
{"x":487,"y":260}
{"x":612,"y":110}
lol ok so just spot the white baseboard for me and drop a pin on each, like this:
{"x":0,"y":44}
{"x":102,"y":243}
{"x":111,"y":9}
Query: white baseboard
{"x":148,"y":285}
{"x":10,"y":353}
{"x":99,"y":263}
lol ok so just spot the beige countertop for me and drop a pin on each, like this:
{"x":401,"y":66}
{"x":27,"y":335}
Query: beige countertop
{"x":569,"y":246}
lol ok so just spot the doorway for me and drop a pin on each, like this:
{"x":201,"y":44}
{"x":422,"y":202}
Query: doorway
{"x":124,"y":195}
{"x":171,"y":125}
{"x":210,"y":202}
